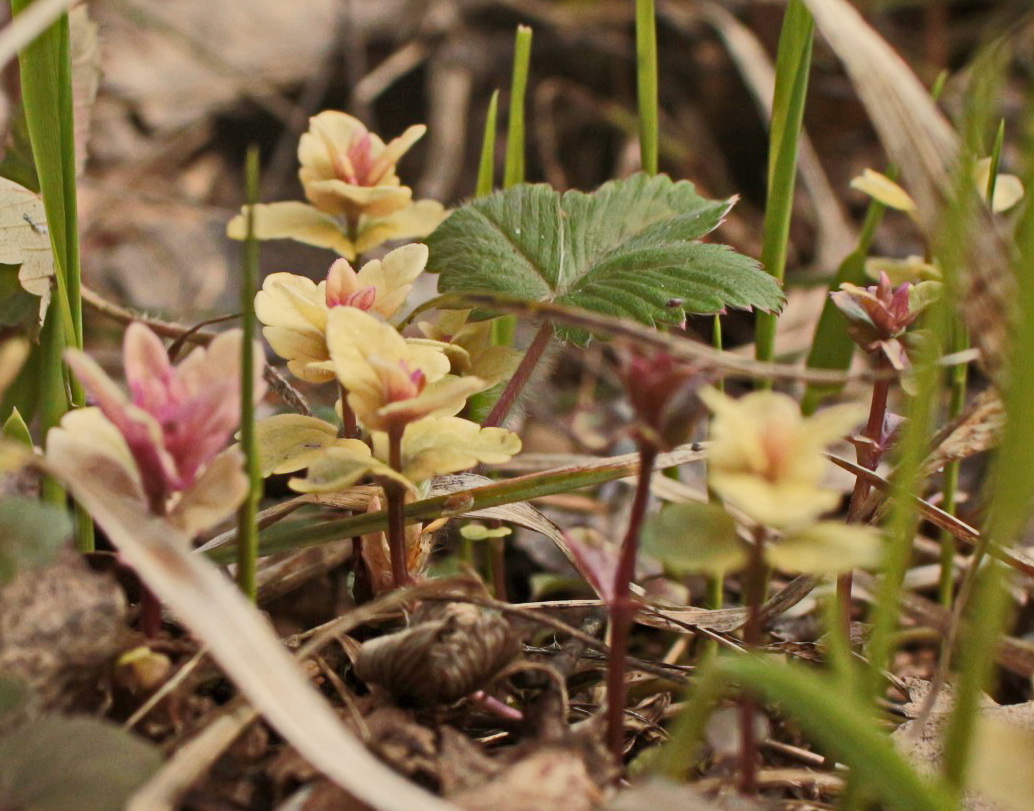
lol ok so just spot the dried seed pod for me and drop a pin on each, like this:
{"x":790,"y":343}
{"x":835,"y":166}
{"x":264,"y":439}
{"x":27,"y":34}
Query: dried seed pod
{"x":452,"y":653}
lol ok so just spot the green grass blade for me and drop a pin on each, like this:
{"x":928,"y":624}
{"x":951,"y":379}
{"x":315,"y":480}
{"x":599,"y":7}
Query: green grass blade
{"x":832,"y":347}
{"x":285,"y":537}
{"x":646,"y":82}
{"x":996,"y":159}
{"x":46,"y":78}
{"x":1010,"y":491}
{"x":793,"y":63}
{"x":514,"y":170}
{"x":247,"y":516}
{"x":486,"y":166}
{"x":843,"y":726}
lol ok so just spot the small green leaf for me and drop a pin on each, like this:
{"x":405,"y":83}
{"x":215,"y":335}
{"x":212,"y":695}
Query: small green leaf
{"x":693,"y":538}
{"x":31,"y":532}
{"x":56,"y":763}
{"x":627,"y":249}
{"x":16,"y":430}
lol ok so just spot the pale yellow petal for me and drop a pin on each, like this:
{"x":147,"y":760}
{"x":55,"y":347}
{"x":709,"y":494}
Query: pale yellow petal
{"x":384,"y":164}
{"x":781,"y":505}
{"x":296,"y":345}
{"x":443,"y":398}
{"x":297,"y":221}
{"x":884,"y":190}
{"x":289,"y":442}
{"x":291,"y":301}
{"x":216,"y":494}
{"x":337,"y":197}
{"x":412,"y":222}
{"x":437,"y":446}
{"x":87,"y":444}
{"x":329,"y":130}
{"x":829,"y":547}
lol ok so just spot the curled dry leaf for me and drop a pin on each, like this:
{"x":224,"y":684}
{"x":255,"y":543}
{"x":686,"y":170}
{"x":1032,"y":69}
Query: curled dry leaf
{"x":446,"y":655}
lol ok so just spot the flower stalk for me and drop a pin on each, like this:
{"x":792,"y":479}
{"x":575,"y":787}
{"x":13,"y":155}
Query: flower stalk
{"x":622,"y":607}
{"x":395,"y":494}
{"x":515,"y":385}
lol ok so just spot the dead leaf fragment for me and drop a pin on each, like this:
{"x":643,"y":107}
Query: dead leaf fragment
{"x":25,"y":240}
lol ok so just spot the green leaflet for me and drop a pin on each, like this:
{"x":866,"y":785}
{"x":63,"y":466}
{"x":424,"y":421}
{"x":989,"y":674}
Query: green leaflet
{"x":627,"y":249}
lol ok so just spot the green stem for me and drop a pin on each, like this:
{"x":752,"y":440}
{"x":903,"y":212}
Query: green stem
{"x":395,"y":495}
{"x":247,"y":515}
{"x":646,"y":82}
{"x":622,"y":608}
{"x":515,"y":385}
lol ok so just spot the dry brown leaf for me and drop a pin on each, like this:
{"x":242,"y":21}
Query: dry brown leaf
{"x":978,"y":428}
{"x":923,"y":743}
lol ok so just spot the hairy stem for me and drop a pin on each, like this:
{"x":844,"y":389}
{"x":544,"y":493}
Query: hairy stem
{"x":515,"y":385}
{"x":395,"y":494}
{"x":622,"y":608}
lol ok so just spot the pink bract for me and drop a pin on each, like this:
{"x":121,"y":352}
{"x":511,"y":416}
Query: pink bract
{"x":177,"y":418}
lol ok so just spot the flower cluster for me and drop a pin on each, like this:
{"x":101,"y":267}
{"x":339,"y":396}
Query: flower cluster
{"x":766,"y":460}
{"x":357,"y":200}
{"x":164,"y":444}
{"x":877,"y":316}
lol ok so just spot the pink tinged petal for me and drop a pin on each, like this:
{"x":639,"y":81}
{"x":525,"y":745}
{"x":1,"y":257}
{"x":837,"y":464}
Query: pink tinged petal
{"x":361,"y":161}
{"x":141,"y":431}
{"x":394,"y":151}
{"x":330,"y":134}
{"x":149,"y":374}
{"x":342,"y":282}
{"x":214,"y":496}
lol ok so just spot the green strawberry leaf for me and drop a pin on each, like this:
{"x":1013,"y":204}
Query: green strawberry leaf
{"x":628,"y":249}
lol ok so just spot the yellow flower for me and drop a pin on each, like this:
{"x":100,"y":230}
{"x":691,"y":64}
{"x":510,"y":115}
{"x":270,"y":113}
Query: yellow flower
{"x":294,"y":308}
{"x":391,"y":381}
{"x":358,"y":201}
{"x":347,"y":170}
{"x":433,"y":446}
{"x":766,"y":459}
{"x":469,"y":346}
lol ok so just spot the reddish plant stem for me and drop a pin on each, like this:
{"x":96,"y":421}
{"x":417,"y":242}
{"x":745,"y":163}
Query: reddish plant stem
{"x":150,"y":605}
{"x":622,"y":608}
{"x":754,"y":586}
{"x":515,"y":385}
{"x":869,"y":455}
{"x":349,"y":427}
{"x":395,"y":495}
